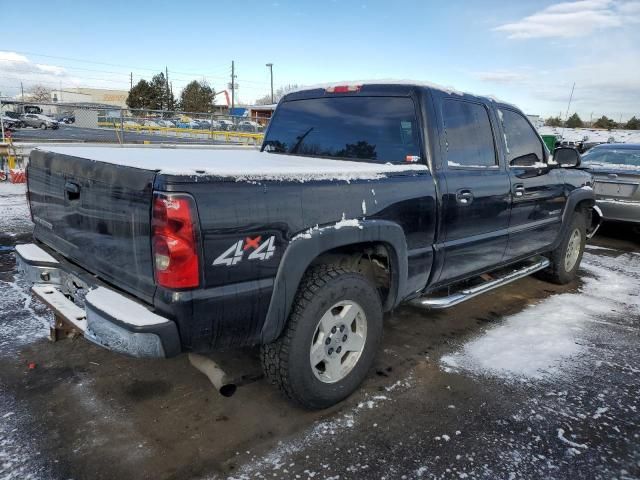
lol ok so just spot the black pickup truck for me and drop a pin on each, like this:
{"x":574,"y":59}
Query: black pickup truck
{"x":361,"y":197}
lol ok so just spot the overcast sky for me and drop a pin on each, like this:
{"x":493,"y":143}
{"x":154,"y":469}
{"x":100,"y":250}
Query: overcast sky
{"x":525,"y":52}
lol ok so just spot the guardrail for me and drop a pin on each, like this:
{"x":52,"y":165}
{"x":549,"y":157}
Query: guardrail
{"x":226,"y":135}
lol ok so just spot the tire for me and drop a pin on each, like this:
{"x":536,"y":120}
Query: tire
{"x":43,"y":126}
{"x":326,"y":295}
{"x":563,"y":269}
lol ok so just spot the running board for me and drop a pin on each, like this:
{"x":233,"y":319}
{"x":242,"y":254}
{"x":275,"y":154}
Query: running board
{"x":468,"y":293}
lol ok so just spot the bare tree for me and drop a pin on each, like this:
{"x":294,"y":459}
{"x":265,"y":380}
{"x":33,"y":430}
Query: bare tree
{"x":278,"y":94}
{"x":39,"y":93}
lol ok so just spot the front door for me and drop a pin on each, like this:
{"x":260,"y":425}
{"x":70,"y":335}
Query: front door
{"x":477,"y":201}
{"x":538,"y":193}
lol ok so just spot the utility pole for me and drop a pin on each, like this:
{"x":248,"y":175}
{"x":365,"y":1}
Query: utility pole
{"x":21,"y":92}
{"x":233,"y":86}
{"x":270,"y":66}
{"x":131,"y":81}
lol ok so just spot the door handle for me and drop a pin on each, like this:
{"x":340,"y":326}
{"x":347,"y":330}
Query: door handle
{"x":464,"y":197}
{"x":518,"y":190}
{"x":73,"y":190}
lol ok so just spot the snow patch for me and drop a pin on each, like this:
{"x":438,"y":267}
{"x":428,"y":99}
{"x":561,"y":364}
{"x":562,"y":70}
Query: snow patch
{"x":536,"y":342}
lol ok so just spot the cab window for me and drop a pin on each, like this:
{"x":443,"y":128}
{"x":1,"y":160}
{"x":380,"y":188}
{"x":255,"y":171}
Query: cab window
{"x":468,"y":135}
{"x":519,"y":136}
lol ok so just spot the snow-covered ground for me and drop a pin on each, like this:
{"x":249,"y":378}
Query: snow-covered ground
{"x":14,"y":212}
{"x":547,"y":339}
{"x":592,"y":134}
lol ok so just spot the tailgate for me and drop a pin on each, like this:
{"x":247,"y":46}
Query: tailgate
{"x":616,"y":185}
{"x":96,"y":214}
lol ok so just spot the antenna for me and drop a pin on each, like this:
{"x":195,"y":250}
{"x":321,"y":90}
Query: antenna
{"x":568,"y":107}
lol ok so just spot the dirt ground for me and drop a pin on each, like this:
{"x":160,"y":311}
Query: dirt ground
{"x":429,"y":408}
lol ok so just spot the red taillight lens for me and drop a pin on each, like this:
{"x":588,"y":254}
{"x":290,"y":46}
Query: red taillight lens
{"x":175,"y":241}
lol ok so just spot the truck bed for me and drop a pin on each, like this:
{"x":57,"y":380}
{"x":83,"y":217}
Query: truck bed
{"x":238,"y":164}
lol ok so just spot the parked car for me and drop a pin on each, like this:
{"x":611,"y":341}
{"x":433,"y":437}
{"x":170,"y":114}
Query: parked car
{"x":150,"y":123}
{"x":166,"y":123}
{"x":9,"y":123}
{"x":616,"y":171}
{"x":38,"y":120}
{"x":226,"y":125}
{"x":67,"y":118}
{"x":369,"y":196}
{"x":249,"y":126}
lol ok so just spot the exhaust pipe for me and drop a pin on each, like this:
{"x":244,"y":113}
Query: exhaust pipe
{"x":214,"y":373}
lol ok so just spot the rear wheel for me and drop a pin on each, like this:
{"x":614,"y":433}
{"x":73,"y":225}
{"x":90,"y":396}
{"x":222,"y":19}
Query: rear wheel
{"x":565,"y":260}
{"x":330,"y":340}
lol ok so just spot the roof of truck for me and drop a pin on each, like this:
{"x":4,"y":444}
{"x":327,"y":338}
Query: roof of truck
{"x":240,"y":164}
{"x":393,"y":83}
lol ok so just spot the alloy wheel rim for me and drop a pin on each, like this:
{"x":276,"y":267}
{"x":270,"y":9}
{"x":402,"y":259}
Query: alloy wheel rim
{"x":338,"y":341}
{"x":573,"y":250}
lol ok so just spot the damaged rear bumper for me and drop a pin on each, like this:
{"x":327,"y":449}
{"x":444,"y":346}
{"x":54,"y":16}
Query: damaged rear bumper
{"x":102,"y":315}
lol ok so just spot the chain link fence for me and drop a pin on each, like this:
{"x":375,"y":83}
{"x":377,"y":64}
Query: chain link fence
{"x":47,"y":122}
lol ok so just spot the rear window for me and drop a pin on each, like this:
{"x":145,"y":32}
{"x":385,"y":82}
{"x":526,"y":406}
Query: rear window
{"x":607,"y":157}
{"x":468,"y":134}
{"x":371,"y":129}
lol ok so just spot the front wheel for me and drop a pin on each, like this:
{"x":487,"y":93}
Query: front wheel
{"x":43,"y":126}
{"x":566,"y":258}
{"x":330,"y":340}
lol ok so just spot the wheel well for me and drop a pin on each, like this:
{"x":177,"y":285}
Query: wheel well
{"x":372,"y":259}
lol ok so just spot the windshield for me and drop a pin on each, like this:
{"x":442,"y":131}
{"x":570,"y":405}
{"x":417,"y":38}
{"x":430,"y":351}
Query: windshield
{"x":374,"y":129}
{"x":623,"y":158}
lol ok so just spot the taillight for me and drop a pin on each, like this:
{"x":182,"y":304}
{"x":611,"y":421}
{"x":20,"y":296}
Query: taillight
{"x":175,"y":241}
{"x":344,"y":89}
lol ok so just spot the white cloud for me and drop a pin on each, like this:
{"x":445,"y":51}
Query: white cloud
{"x":573,"y":19}
{"x":18,"y":69}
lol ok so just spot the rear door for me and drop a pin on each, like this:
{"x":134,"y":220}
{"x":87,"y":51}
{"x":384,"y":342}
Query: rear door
{"x":538,"y":193}
{"x":476,"y":203}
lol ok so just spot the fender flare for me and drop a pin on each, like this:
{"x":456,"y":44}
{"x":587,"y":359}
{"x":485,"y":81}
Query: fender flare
{"x":575,"y":197}
{"x":301,"y":252}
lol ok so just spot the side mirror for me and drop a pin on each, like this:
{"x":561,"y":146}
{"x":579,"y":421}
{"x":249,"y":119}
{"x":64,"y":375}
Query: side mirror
{"x":566,"y":157}
{"x":528,"y":160}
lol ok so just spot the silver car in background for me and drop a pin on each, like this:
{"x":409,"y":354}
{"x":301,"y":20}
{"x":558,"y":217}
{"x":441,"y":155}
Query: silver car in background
{"x":616,"y":172}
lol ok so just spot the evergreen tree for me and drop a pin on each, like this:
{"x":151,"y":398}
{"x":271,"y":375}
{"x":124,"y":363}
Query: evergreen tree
{"x":574,"y":121}
{"x":604,"y":122}
{"x":197,"y":97}
{"x":141,"y":95}
{"x":633,"y":124}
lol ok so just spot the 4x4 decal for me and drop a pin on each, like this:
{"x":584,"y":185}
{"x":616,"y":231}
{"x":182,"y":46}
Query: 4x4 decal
{"x":235,"y":253}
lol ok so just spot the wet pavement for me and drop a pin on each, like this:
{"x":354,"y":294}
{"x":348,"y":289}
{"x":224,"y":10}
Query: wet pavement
{"x":529,"y":381}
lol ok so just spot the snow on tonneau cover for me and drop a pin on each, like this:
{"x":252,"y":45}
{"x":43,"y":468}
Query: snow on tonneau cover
{"x":93,"y":204}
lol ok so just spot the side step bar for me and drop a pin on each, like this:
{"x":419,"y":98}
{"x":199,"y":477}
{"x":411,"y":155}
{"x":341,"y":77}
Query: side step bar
{"x":468,"y":293}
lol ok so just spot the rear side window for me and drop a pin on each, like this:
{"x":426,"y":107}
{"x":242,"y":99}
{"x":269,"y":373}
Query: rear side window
{"x":468,"y":135}
{"x":371,"y":129}
{"x":520,"y":138}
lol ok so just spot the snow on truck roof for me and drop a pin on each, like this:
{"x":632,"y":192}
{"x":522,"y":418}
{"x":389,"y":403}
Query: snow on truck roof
{"x":391,"y":81}
{"x":239,"y":164}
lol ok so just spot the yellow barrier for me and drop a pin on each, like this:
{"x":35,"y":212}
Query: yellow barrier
{"x":209,"y":133}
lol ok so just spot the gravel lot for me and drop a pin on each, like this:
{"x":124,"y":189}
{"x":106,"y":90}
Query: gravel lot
{"x":530,"y":381}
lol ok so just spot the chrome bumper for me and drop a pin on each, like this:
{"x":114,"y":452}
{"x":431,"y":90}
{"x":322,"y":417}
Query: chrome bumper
{"x":102,"y":315}
{"x":621,"y":210}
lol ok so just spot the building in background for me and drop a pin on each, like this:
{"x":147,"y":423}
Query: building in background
{"x":100,"y":96}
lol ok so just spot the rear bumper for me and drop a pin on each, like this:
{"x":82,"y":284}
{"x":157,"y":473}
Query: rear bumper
{"x":103,"y":315}
{"x":622,"y":210}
